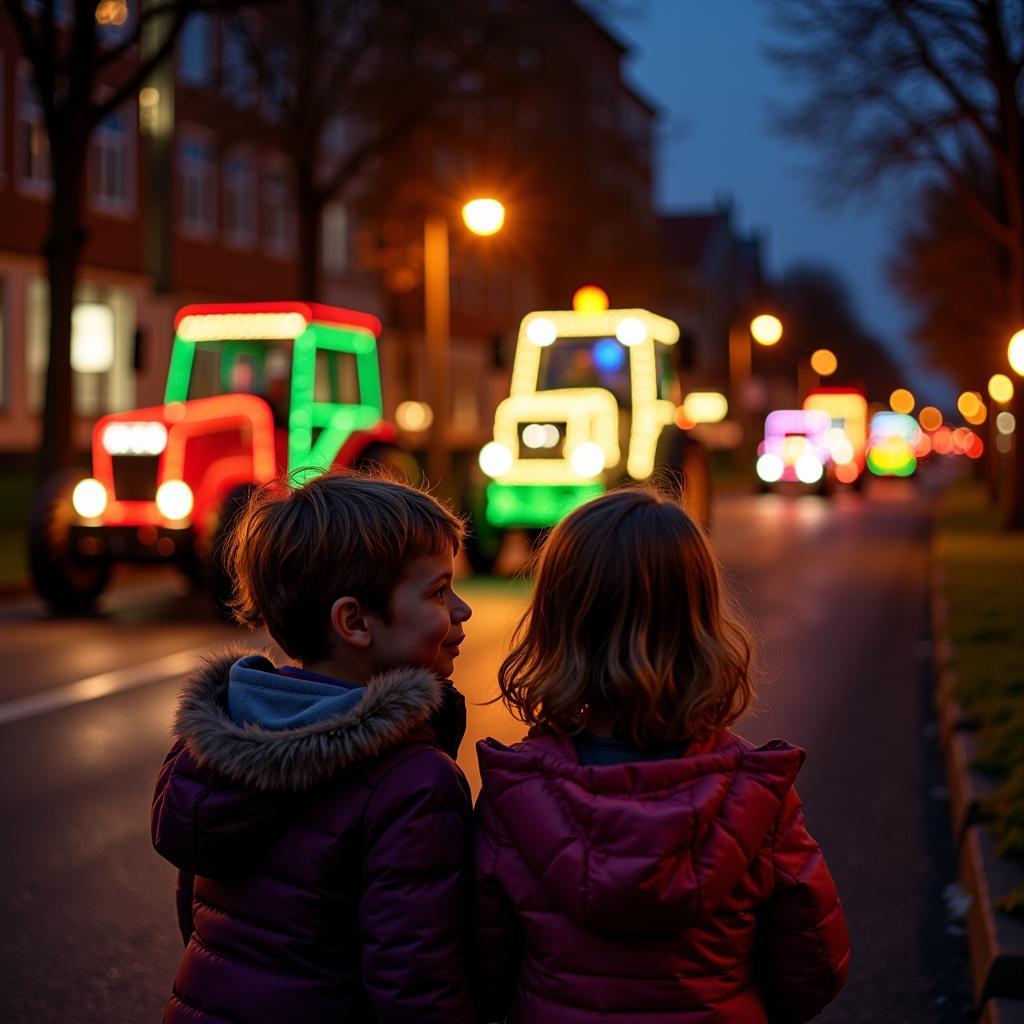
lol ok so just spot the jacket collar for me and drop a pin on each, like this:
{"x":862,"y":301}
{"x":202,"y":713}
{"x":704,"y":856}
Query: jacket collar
{"x":392,"y":705}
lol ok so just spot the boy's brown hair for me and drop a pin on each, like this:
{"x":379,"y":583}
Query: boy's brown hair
{"x":629,"y":618}
{"x":293,"y":552}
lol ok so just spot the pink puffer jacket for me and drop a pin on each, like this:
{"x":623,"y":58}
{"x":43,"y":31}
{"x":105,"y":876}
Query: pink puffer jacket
{"x":660,"y":892}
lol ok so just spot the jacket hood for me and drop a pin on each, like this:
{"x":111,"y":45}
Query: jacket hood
{"x":365,"y":722}
{"x":228,"y":790}
{"x":643,"y":847}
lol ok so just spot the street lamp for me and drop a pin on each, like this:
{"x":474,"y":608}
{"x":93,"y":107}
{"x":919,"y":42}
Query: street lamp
{"x":766,"y":330}
{"x":483,"y":216}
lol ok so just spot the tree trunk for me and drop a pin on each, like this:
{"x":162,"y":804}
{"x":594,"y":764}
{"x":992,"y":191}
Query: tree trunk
{"x":57,"y":449}
{"x":308,"y":204}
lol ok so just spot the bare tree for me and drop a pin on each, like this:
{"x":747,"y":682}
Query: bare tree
{"x":892,"y":85}
{"x":390,"y":67}
{"x":87,"y":58}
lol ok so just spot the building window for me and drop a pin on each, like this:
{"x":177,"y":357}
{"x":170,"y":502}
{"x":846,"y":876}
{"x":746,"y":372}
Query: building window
{"x":198,"y":185}
{"x":33,"y":141}
{"x":238,"y":76}
{"x":278,"y":218}
{"x":239,"y":201}
{"x":195,"y":49}
{"x":114,"y":162}
{"x":103,"y":322}
{"x":334,"y":238}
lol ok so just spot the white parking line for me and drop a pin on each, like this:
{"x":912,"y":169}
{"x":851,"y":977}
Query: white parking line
{"x":103,"y":685}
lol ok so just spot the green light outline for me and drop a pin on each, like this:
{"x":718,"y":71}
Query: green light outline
{"x":536,"y":504}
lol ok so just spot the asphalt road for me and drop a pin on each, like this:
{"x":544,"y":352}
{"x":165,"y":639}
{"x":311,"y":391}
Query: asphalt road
{"x":836,"y":590}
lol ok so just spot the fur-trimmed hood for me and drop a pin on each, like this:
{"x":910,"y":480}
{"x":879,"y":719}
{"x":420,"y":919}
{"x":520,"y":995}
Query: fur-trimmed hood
{"x":390,"y":707}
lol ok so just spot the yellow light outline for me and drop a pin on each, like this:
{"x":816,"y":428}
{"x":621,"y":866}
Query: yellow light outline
{"x":241,"y":326}
{"x":649,"y":414}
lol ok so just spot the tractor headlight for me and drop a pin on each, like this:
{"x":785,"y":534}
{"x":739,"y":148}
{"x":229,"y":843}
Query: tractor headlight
{"x":587,"y":459}
{"x":134,"y":438}
{"x":174,"y":499}
{"x":495,"y":459}
{"x":89,"y":498}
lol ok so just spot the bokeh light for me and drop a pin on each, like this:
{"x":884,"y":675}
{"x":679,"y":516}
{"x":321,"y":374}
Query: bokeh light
{"x":1000,"y":387}
{"x":766,"y":329}
{"x":901,"y":400}
{"x":930,"y":418}
{"x":1015,"y":352}
{"x":705,"y":407}
{"x":1006,"y":423}
{"x":413,"y":416}
{"x":824,"y":362}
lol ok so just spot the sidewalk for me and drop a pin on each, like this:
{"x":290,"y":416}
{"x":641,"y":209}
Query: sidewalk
{"x":978,"y":625}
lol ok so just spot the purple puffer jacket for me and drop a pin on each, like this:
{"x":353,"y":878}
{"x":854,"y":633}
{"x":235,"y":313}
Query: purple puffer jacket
{"x":329,"y":860}
{"x":682,"y":891}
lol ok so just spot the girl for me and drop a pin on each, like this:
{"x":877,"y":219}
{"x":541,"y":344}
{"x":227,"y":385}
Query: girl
{"x":636,"y":860}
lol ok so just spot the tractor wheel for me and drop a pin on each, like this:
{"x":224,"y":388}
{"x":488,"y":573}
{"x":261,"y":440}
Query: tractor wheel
{"x":394,"y":463}
{"x":219,"y":583}
{"x":684,"y":466}
{"x":67,"y":580}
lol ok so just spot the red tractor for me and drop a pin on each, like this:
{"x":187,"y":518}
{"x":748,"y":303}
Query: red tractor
{"x":254,"y":391}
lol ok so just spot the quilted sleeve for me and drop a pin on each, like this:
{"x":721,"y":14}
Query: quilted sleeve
{"x":412,"y":910}
{"x":803,"y":943}
{"x":496,"y":932}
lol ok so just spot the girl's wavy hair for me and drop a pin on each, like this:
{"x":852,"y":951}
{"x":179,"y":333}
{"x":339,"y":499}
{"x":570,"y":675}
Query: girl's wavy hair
{"x":629,"y":616}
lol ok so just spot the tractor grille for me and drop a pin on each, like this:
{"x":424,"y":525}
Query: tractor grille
{"x":135,"y":477}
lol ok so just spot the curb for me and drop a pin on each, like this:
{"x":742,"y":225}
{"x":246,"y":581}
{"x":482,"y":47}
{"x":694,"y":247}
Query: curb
{"x":995,"y":940}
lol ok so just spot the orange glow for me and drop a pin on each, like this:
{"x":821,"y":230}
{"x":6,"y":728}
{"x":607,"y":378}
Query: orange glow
{"x":930,"y":418}
{"x":1015,"y":353}
{"x":962,"y":438}
{"x":847,"y":472}
{"x":942,"y":441}
{"x":901,"y":400}
{"x":590,"y":299}
{"x":977,"y":448}
{"x":824,"y":362}
{"x":923,"y":447}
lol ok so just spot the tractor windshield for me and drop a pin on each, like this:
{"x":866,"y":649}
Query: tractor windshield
{"x":256,"y":368}
{"x":586,"y":363}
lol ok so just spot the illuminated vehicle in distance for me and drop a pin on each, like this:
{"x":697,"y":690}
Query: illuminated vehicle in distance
{"x":254,"y":390}
{"x":847,"y":435}
{"x":589,"y":407}
{"x":893,"y":440}
{"x":795,"y":448}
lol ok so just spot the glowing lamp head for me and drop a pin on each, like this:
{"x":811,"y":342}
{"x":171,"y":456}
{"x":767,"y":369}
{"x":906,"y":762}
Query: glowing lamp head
{"x":495,"y":459}
{"x":809,"y":469}
{"x":174,"y":499}
{"x":587,"y":459}
{"x":705,"y":407}
{"x":134,"y":438}
{"x":766,"y":329}
{"x":590,"y":299}
{"x":770,"y":468}
{"x":541,"y":331}
{"x":902,"y":401}
{"x":483,"y":216}
{"x":1000,"y":387}
{"x":1015,"y":353}
{"x":89,"y":498}
{"x":824,"y":362}
{"x":631,"y":331}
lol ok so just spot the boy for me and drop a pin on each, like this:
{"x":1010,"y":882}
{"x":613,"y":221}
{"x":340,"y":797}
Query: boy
{"x":319,"y":808}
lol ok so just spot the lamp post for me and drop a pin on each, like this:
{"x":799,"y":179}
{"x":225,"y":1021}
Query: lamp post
{"x":766,"y":330}
{"x":482,"y":217}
